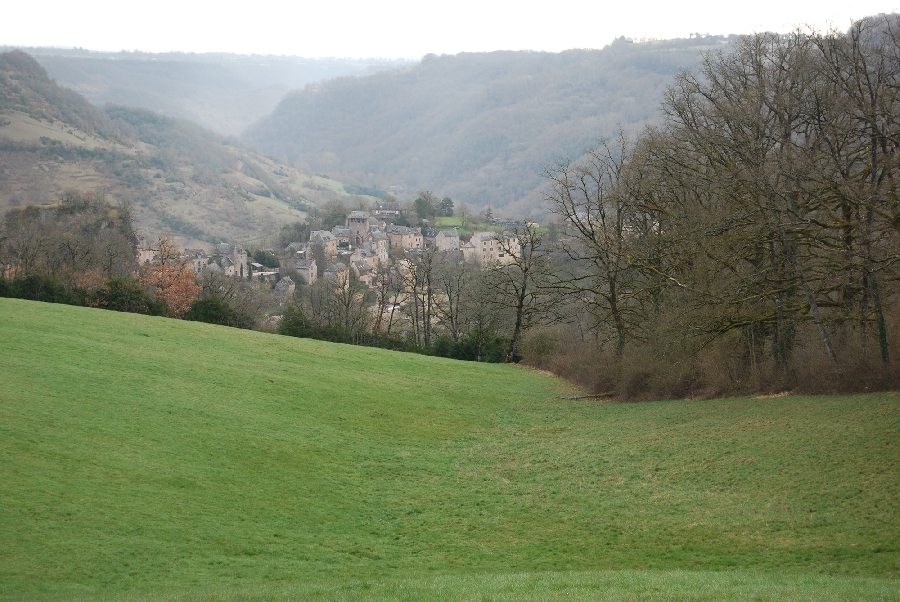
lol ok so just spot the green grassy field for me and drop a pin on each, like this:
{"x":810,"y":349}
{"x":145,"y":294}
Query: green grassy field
{"x":152,"y":459}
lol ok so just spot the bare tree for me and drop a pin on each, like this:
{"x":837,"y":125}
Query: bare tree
{"x":597,"y":208}
{"x":453,"y":276}
{"x":419,"y":281}
{"x":518,"y":279}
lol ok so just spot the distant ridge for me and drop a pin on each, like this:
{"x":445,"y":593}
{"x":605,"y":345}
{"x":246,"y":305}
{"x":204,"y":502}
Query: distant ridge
{"x":221,"y":91}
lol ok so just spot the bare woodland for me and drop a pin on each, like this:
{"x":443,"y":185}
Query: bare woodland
{"x":751,"y":240}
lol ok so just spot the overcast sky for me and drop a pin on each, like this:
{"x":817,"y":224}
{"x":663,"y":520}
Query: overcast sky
{"x":398,"y":28}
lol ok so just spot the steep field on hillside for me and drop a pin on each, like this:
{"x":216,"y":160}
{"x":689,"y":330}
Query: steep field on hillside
{"x":179,"y":178}
{"x":477,"y":127}
{"x":147,"y":458}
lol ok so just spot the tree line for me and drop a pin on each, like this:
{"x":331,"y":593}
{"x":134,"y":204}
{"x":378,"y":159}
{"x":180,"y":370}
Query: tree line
{"x":426,"y":302}
{"x":82,"y":251}
{"x":750,"y":241}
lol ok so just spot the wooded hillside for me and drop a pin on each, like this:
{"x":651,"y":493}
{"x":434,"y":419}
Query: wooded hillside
{"x":477,"y":127}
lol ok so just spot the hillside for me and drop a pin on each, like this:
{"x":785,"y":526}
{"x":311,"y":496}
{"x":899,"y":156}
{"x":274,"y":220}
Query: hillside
{"x":222,"y":92}
{"x":180,"y":178}
{"x":477,"y":127}
{"x":145,"y":458}
{"x":25,"y":88}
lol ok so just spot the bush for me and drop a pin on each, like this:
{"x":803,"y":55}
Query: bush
{"x":266,"y":258}
{"x":442,"y":346}
{"x":213,"y":310}
{"x":118,"y":294}
{"x":493,"y":348}
{"x":125,"y":294}
{"x":295,"y":324}
{"x":37,"y":287}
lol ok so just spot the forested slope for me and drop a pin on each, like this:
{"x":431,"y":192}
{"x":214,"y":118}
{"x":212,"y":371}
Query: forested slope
{"x":25,"y":87}
{"x":478,"y":127}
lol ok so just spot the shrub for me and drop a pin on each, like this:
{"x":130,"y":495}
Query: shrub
{"x":295,"y":324}
{"x":126,"y":294}
{"x":266,"y":258}
{"x":213,"y":310}
{"x":493,"y":348}
{"x":37,"y":287}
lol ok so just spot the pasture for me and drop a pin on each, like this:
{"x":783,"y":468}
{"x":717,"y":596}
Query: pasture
{"x":151,"y":459}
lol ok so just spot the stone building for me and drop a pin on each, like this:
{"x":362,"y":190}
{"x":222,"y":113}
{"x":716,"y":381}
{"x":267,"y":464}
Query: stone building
{"x":485,"y":248}
{"x":358,"y":224}
{"x":326,"y":239}
{"x":284,"y":290}
{"x":402,"y":237}
{"x":307,"y":270}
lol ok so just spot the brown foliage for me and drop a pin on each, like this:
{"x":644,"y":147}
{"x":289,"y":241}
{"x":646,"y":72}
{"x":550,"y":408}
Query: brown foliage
{"x":171,"y":281}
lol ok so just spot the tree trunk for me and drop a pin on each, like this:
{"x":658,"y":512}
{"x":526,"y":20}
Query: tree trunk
{"x":813,"y":306}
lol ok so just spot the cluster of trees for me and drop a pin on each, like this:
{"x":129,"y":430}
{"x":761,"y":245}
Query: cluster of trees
{"x":79,"y":238}
{"x":749,"y":242}
{"x":428,"y":206}
{"x":427,"y":302}
{"x":81,"y":251}
{"x":751,"y":239}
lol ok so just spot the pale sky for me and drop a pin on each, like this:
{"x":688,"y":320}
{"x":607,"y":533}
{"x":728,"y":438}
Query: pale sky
{"x":399,"y":28}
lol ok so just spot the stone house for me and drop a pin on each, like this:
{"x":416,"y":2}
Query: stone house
{"x":300,"y":249}
{"x":363,"y":271}
{"x":367,"y":255}
{"x":145,"y":254}
{"x":387,"y":210}
{"x":197,"y":259}
{"x":326,"y":239}
{"x":230,"y":267}
{"x":284,"y":290}
{"x":441,"y":240}
{"x":402,"y":237}
{"x":486,"y":248}
{"x":232,"y":259}
{"x":379,"y":243}
{"x":342,"y":234}
{"x":307,"y":270}
{"x":338,"y":274}
{"x":358,"y":224}
{"x":468,"y":251}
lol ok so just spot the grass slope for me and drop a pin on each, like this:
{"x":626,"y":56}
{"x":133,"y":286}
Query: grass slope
{"x":145,"y":458}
